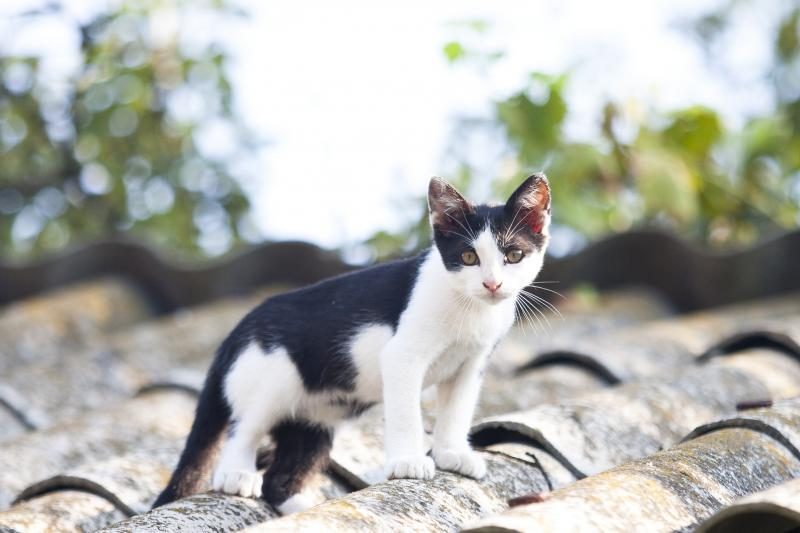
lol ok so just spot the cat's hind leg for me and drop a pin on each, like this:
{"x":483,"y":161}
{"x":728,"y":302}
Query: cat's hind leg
{"x":262,"y":388}
{"x":302,"y":448}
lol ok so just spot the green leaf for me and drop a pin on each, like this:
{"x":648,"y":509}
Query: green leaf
{"x":453,"y":51}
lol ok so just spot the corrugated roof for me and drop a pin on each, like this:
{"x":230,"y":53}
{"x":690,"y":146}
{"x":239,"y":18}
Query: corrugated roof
{"x":672,"y":490}
{"x":616,"y":395}
{"x":151,"y":423}
{"x":691,"y":278}
{"x":112,"y":365}
{"x":773,"y":509}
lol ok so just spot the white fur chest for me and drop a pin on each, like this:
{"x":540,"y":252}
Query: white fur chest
{"x":470,"y":333}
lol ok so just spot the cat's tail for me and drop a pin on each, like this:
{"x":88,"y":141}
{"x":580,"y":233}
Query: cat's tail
{"x":211,"y":419}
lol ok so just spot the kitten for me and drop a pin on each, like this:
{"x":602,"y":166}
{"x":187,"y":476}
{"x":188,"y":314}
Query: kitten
{"x":303,"y":360}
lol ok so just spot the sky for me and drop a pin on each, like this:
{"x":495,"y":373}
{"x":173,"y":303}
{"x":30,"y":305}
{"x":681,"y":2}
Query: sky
{"x":358,"y":103}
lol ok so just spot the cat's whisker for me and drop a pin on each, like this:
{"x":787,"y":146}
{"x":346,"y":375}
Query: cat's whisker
{"x":508,"y":228}
{"x":515,"y":227}
{"x":465,"y":228}
{"x":522,"y":319}
{"x":542,"y":318}
{"x":464,"y":304}
{"x":535,"y":286}
{"x":461,"y":305}
{"x":470,"y":227}
{"x":533,"y":320}
{"x":517,"y":317}
{"x":530,"y":310}
{"x":534,"y":316}
{"x":544,"y":302}
{"x":537,"y":309}
{"x":459,"y":234}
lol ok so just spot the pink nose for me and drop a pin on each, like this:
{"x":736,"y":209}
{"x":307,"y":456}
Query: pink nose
{"x":492,"y":286}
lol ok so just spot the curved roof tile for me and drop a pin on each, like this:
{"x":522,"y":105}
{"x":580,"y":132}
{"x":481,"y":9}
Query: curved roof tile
{"x":774,"y":509}
{"x":671,"y":490}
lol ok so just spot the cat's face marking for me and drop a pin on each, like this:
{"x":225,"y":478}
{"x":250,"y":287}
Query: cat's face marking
{"x":491,"y":252}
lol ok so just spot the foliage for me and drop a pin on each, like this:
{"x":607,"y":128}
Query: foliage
{"x":684,"y":170}
{"x":140,"y":138}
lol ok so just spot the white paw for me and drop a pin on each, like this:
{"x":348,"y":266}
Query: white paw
{"x":242,"y":482}
{"x":463,"y":461}
{"x":410,"y":466}
{"x":295,"y":504}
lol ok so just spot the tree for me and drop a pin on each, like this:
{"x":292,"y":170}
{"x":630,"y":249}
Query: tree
{"x":141,"y":138}
{"x":682,"y":170}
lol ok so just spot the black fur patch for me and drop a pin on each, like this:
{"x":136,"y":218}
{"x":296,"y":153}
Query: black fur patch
{"x":312,"y":322}
{"x":301,"y":449}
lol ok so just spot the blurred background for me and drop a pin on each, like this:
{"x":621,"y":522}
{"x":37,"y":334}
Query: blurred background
{"x":201,"y":127}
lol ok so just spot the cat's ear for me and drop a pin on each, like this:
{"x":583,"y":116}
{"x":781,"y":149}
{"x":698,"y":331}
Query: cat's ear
{"x":530,"y":203}
{"x":446,"y":207}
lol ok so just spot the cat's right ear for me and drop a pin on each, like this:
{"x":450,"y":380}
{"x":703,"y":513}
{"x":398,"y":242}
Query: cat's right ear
{"x":446,"y":207}
{"x":530,"y":203}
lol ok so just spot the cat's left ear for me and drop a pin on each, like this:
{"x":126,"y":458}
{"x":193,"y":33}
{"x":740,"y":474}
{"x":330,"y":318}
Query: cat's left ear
{"x":446,"y":207}
{"x":530,"y":203}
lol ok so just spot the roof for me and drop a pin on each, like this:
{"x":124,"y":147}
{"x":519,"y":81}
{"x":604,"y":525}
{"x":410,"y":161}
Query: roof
{"x":620,"y":414}
{"x":689,"y":277}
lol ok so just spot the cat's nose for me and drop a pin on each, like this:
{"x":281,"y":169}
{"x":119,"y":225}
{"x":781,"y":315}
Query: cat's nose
{"x":492,"y":286}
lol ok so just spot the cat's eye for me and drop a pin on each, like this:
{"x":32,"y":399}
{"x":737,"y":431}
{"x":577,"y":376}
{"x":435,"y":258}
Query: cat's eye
{"x":514,"y":255}
{"x":469,"y":257}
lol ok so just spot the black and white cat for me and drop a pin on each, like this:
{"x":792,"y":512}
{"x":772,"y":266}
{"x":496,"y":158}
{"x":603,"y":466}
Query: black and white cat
{"x":304,"y":360}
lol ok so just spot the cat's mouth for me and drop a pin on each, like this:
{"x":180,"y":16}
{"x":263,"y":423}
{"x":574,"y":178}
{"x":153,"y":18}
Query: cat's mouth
{"x":494,"y":297}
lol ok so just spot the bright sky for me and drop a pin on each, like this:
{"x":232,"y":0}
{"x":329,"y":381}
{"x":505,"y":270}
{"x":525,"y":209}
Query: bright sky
{"x":358,"y":101}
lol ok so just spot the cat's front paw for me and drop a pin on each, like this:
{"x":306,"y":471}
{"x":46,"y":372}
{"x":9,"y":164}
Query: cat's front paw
{"x":241,"y":482}
{"x":410,"y":466}
{"x":463,"y":461}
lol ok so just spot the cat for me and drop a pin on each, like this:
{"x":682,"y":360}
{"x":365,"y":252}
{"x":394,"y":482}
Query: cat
{"x":304,"y":360}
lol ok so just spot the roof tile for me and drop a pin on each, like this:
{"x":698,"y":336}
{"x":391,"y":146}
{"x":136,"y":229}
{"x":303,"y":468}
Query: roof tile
{"x":39,"y":328}
{"x":774,"y":509}
{"x":663,"y":345}
{"x":114,"y":366}
{"x":152,"y":422}
{"x":68,"y":510}
{"x":671,"y":490}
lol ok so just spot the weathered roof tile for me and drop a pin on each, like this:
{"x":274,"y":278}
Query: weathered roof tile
{"x":201,"y":513}
{"x":155,"y":421}
{"x":596,"y":431}
{"x":39,"y":328}
{"x":67,"y":510}
{"x":774,"y":509}
{"x":671,"y":490}
{"x":578,"y":317}
{"x":130,"y":481}
{"x":115,"y":366}
{"x":443,"y":503}
{"x":663,"y":345}
{"x":221,"y":512}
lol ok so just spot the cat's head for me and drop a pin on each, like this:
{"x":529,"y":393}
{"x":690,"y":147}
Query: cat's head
{"x":491,"y":251}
